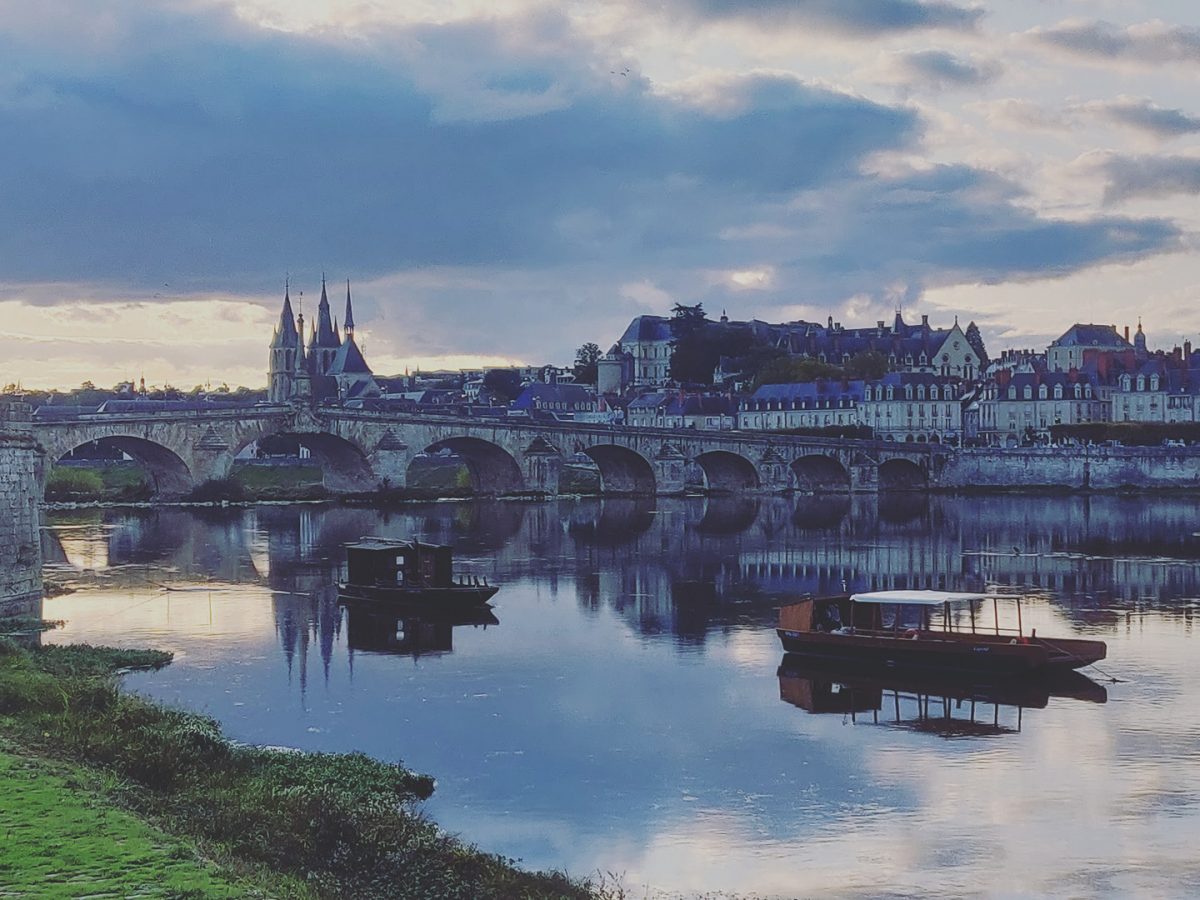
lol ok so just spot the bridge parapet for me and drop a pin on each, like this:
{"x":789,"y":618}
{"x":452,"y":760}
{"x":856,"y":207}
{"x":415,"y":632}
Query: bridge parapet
{"x":361,"y":450}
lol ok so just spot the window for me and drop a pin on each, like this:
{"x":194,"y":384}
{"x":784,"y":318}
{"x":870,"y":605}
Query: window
{"x":1028,"y":392}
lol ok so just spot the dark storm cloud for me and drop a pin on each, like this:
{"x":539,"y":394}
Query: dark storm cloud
{"x":1143,"y":115}
{"x":1150,"y":42}
{"x":939,"y":69}
{"x":1150,"y":176}
{"x":858,"y":17}
{"x":238,"y":154}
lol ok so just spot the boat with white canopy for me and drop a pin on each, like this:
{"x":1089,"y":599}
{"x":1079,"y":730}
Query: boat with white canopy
{"x":928,"y":629}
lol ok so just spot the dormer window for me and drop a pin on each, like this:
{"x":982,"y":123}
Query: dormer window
{"x":920,"y":392}
{"x":1154,"y":382}
{"x":933,"y":392}
{"x":1028,"y":392}
{"x":1058,"y":394}
{"x":1012,"y":393}
{"x":1141,"y":382}
{"x":1042,"y":393}
{"x":1078,"y":391}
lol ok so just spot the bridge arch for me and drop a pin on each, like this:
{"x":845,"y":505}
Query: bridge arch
{"x":902,"y":475}
{"x":819,"y":474}
{"x":344,"y":465}
{"x":493,"y":469}
{"x":727,"y":472}
{"x":169,"y":474}
{"x":622,"y":471}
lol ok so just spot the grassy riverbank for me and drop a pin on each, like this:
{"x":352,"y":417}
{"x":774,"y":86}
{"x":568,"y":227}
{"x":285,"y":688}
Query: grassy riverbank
{"x":280,"y":823}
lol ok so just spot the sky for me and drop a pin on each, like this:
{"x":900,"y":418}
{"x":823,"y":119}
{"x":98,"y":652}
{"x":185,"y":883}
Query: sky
{"x":504,"y":180}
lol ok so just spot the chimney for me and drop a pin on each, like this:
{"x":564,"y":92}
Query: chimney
{"x":1187,"y":349}
{"x":924,"y":321}
{"x":1127,"y":333}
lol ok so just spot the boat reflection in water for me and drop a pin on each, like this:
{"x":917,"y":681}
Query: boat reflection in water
{"x":408,"y":629}
{"x":947,"y":704}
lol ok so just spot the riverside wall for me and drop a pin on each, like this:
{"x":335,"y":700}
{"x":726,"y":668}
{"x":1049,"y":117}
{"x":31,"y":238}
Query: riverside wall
{"x":20,"y":544}
{"x":1073,"y":469}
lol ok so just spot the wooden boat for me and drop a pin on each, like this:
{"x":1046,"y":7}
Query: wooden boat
{"x":409,"y":572}
{"x":902,"y":628}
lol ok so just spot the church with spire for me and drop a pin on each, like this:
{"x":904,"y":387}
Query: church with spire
{"x":330,"y":367}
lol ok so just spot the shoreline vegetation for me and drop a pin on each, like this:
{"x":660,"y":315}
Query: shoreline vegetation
{"x":104,"y":791}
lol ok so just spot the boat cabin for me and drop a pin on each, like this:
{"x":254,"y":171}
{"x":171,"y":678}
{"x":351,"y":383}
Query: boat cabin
{"x":383,"y":563}
{"x":899,"y":613}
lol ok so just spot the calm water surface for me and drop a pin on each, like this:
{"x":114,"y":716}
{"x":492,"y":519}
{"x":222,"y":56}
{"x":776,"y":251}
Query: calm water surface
{"x":627,"y":713}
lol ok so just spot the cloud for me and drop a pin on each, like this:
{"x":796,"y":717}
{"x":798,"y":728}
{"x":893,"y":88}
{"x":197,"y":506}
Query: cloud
{"x":941,"y":70}
{"x":1149,"y":176}
{"x":855,"y":17}
{"x":1143,"y":115}
{"x":503,"y":156}
{"x":1152,"y":43}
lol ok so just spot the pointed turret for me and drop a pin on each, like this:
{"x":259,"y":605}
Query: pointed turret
{"x":348,"y":322}
{"x":325,"y":340}
{"x":286,"y":334}
{"x":286,"y":355}
{"x":325,"y":336}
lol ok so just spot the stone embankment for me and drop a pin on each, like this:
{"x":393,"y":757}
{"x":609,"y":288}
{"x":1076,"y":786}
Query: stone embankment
{"x":1073,"y":469}
{"x":20,"y":544}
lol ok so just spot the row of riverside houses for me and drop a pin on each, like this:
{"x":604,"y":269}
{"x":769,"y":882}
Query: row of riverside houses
{"x":942,"y":387}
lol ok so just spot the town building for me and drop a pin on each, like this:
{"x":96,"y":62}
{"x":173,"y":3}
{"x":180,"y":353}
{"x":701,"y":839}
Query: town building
{"x":677,"y":409}
{"x":563,"y":401}
{"x":914,"y":407}
{"x":815,"y":404}
{"x":1021,"y":407}
{"x":1067,"y":352}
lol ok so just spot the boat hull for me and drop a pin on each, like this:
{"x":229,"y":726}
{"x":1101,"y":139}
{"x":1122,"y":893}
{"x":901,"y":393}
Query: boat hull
{"x":448,"y":598}
{"x":982,"y":654}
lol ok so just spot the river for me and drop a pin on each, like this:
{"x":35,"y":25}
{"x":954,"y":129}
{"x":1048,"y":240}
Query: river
{"x":626,"y":712}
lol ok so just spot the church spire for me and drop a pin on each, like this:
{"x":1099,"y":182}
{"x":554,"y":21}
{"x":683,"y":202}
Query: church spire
{"x":285,"y":333}
{"x":325,"y":335}
{"x":348,"y":322}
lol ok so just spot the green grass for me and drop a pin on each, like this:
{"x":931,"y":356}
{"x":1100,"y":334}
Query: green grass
{"x":280,"y":482}
{"x":61,"y":838}
{"x":98,"y":482}
{"x":318,"y":824}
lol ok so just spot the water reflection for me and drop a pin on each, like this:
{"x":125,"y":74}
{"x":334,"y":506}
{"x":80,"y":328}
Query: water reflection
{"x":411,"y":630}
{"x":627,"y":715}
{"x":946,"y":705}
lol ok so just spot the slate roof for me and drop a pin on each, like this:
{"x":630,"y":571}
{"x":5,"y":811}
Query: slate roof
{"x":1080,"y":335}
{"x":810,"y":391}
{"x":552,"y":393}
{"x":647,"y":328}
{"x":349,"y":360}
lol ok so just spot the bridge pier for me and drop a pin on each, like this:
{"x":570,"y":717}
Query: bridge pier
{"x":670,"y":470}
{"x":390,"y":460}
{"x":20,"y":537}
{"x":774,"y":472}
{"x":864,"y":475}
{"x":542,"y":467}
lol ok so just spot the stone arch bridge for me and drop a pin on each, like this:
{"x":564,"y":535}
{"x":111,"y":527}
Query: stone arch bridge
{"x":361,"y":451}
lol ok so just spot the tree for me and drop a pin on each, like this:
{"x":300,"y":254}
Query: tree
{"x":869,"y":365}
{"x":975,"y":339}
{"x":503,"y":384}
{"x":795,"y":370}
{"x":586,"y":359}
